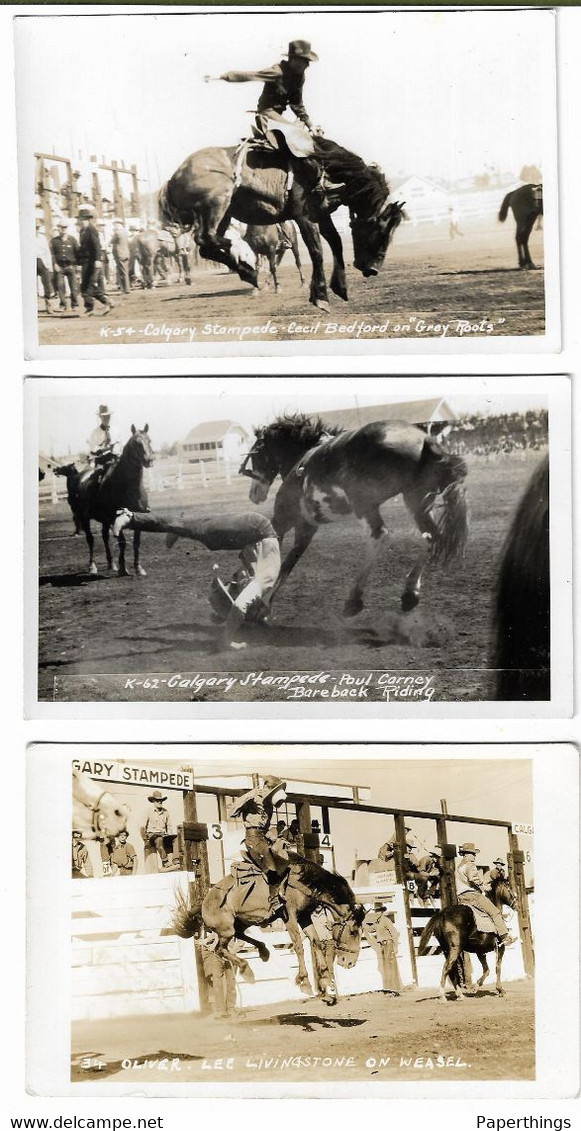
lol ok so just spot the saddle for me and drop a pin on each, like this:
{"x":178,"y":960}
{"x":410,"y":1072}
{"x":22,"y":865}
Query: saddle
{"x":482,"y":921}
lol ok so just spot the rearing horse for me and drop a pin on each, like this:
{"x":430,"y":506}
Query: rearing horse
{"x":99,"y":495}
{"x":328,"y":473}
{"x":227,"y":910}
{"x":214,"y":185}
{"x":455,"y":929}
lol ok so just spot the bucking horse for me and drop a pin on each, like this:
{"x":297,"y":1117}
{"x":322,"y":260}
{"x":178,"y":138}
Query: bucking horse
{"x":328,"y":473}
{"x":257,"y":186}
{"x":241,"y":900}
{"x":456,"y":930}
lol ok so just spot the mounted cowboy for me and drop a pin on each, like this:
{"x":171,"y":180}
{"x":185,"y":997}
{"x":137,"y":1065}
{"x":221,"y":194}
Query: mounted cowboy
{"x":103,"y":441}
{"x":256,"y":808}
{"x":470,"y":885}
{"x":282,"y":90}
{"x":497,"y":872}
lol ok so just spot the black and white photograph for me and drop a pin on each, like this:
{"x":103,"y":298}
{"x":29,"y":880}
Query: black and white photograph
{"x":288,"y":915}
{"x":254,"y":182}
{"x":397,"y":547}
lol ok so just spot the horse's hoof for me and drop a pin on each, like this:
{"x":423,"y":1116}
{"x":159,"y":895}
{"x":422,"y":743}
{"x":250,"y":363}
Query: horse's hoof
{"x":409,"y":601}
{"x":140,"y":571}
{"x":93,"y":568}
{"x":304,"y":986}
{"x":352,"y":608}
{"x":264,"y":954}
{"x":123,"y":572}
{"x":322,"y":305}
{"x":112,"y":567}
{"x":247,"y":974}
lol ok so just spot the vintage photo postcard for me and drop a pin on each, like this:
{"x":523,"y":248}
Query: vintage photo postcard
{"x":263,"y":547}
{"x":274,"y":191}
{"x":293,"y":919}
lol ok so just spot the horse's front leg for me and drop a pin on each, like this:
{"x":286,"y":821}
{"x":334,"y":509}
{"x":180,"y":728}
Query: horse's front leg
{"x":123,"y":571}
{"x":338,"y":280}
{"x":485,"y":968}
{"x":499,"y":957}
{"x":451,"y":961}
{"x":91,"y":545}
{"x":302,"y":979}
{"x":304,"y":534}
{"x":136,"y":563}
{"x":374,"y":531}
{"x":310,"y":232}
{"x":105,"y":534}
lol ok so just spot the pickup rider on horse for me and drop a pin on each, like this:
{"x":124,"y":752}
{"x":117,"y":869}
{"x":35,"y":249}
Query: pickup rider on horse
{"x":283,"y":89}
{"x":256,"y":809}
{"x":470,"y":885}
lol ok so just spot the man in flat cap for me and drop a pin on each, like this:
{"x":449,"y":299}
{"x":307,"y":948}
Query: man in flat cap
{"x":470,"y":890}
{"x":255,"y":808}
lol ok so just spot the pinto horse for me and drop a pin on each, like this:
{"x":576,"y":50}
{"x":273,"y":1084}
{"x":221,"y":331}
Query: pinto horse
{"x":306,"y":887}
{"x":96,"y":813}
{"x":212,"y":186}
{"x":526,"y":203}
{"x":271,"y":241}
{"x":99,"y":494}
{"x":455,"y":929}
{"x":522,"y":654}
{"x":328,"y":473}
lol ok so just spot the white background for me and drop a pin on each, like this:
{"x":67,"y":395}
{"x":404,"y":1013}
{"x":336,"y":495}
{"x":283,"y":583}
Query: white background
{"x":462,"y":1114}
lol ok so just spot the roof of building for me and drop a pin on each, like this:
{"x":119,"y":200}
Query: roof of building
{"x":414,"y":412}
{"x":212,"y":430}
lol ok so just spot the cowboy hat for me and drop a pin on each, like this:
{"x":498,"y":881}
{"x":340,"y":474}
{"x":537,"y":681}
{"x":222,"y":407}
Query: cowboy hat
{"x":436,"y":851}
{"x":157,"y":795}
{"x":103,"y":410}
{"x":498,"y":861}
{"x":63,"y":224}
{"x":272,"y":782}
{"x":468,"y":847}
{"x":301,"y":49}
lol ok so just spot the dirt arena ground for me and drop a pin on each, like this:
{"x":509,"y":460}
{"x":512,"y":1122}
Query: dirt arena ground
{"x":429,"y":288}
{"x":366,"y":1037}
{"x":96,"y":631}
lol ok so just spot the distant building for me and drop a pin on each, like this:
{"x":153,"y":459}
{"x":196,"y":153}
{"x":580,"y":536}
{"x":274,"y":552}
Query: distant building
{"x":431,"y":414}
{"x":215,"y":440}
{"x":424,"y":199}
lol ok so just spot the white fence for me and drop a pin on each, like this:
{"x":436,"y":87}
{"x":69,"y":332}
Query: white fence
{"x":165,"y":475}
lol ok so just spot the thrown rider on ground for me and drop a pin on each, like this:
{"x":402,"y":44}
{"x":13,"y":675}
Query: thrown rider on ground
{"x":282,"y":90}
{"x":245,"y":599}
{"x":256,"y":809}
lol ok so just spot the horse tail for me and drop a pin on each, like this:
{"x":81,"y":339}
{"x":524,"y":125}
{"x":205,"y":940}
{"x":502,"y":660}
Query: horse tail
{"x":450,"y":509}
{"x":504,"y":208}
{"x":431,"y":928}
{"x":186,"y":918}
{"x":522,"y":647}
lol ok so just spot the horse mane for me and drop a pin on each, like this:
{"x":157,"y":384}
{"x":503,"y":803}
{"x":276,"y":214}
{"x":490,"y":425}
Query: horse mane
{"x":323,"y":882}
{"x":297,"y":428}
{"x":367,"y":188}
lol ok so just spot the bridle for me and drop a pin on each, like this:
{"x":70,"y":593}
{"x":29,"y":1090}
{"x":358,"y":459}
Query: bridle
{"x":244,"y":469}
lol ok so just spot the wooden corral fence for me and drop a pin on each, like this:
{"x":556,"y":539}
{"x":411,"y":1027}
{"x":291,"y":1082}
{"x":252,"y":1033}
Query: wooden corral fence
{"x":195,"y":479}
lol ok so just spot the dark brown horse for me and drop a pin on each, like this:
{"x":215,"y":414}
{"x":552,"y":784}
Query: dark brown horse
{"x":99,"y":494}
{"x":523,"y":599}
{"x":71,"y":473}
{"x":271,"y":241}
{"x":212,"y":186}
{"x":526,"y":203}
{"x":455,"y":929}
{"x":229,"y":909}
{"x":328,"y":473}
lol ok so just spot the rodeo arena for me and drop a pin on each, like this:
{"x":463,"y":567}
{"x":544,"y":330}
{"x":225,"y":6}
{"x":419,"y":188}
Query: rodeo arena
{"x":246,"y":927}
{"x":441,"y":596}
{"x":111,"y":243}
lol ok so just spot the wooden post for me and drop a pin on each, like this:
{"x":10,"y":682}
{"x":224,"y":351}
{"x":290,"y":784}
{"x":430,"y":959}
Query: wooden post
{"x":447,"y":880}
{"x":400,"y":852}
{"x":196,"y":861}
{"x":517,"y":881}
{"x":203,"y":473}
{"x":310,"y":848}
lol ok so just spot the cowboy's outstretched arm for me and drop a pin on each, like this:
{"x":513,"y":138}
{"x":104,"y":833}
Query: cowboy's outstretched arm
{"x":265,"y":75}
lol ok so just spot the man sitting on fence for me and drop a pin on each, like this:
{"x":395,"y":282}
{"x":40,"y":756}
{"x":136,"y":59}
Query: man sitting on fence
{"x":158,"y":832}
{"x":245,"y":598}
